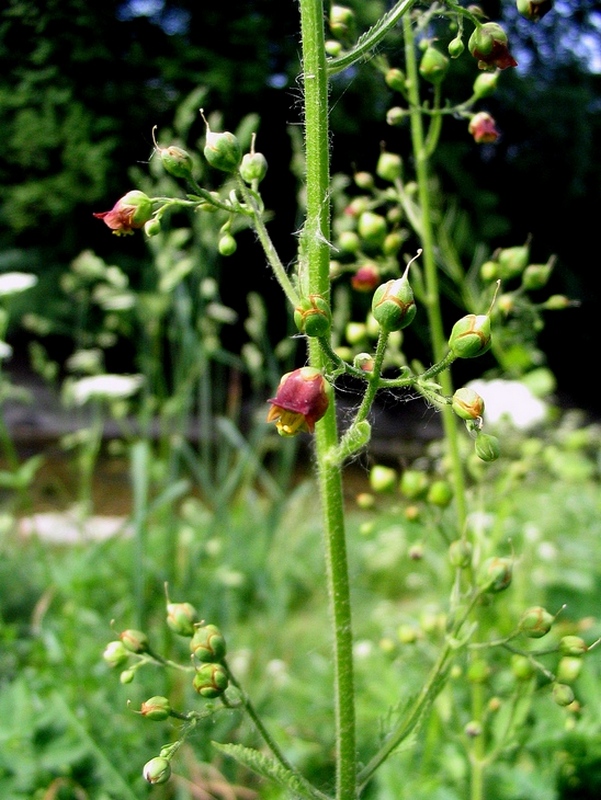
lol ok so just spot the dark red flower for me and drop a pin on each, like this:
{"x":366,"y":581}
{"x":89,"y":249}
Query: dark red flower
{"x":302,"y":398}
{"x":483,"y":128}
{"x":132,"y":211}
{"x":488,"y":44}
{"x":366,"y":278}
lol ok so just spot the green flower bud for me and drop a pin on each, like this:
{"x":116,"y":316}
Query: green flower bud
{"x":572,"y":646}
{"x":365,"y":500}
{"x":478,"y":671}
{"x":396,"y":116}
{"x":487,"y":447}
{"x":557,"y":302}
{"x":364,"y":180}
{"x":473,"y":729}
{"x":522,"y":667}
{"x":382,"y":479}
{"x":253,"y":167}
{"x":181,"y":618}
{"x":488,"y":44}
{"x":536,"y":276}
{"x":485,"y":84}
{"x":395,"y":80}
{"x":156,"y":708}
{"x":433,"y":66}
{"x":152,"y":227}
{"x":227,"y":245}
{"x":471,"y":336}
{"x":407,"y":634}
{"x":562,"y":694}
{"x":115,"y":654}
{"x":456,"y":47}
{"x":210,"y":680}
{"x":489,"y":271}
{"x":355,"y":332}
{"x":342,"y":22}
{"x":393,"y":305}
{"x":496,"y":574}
{"x":413,"y":484}
{"x":467,"y":403}
{"x":389,"y":167}
{"x":568,"y":669}
{"x":534,"y":9}
{"x":222,"y":150}
{"x":208,"y":644}
{"x":313,"y":316}
{"x":535,"y":622}
{"x":157,"y":770}
{"x":392,"y":243}
{"x":127,"y":676}
{"x":364,"y":362}
{"x":460,"y":553}
{"x":134,"y":641}
{"x":177,"y":162}
{"x":416,"y":551}
{"x":513,"y":261}
{"x":349,"y":242}
{"x":372,"y":228}
{"x":440,"y":493}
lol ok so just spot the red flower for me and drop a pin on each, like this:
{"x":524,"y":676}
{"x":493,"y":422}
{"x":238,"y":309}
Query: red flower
{"x":488,"y":44}
{"x":130,"y":212}
{"x":483,"y":128}
{"x":302,"y":399}
{"x":366,"y":278}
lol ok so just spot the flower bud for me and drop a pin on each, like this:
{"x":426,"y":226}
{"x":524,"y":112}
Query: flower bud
{"x":364,"y":362}
{"x":253,"y":167}
{"x":152,"y":227}
{"x":456,"y":47}
{"x":222,"y":150}
{"x":364,"y":180}
{"x":365,"y":500}
{"x":478,"y":671}
{"x":522,"y":667}
{"x":513,"y":261}
{"x":535,"y":622}
{"x":210,"y":680}
{"x":488,"y":44}
{"x":534,"y":9}
{"x":115,"y":654}
{"x":483,"y":128}
{"x":302,"y":398}
{"x":471,"y":336}
{"x":366,"y":278}
{"x":557,"y":302}
{"x":568,"y":669}
{"x":349,"y":242}
{"x":372,"y":228}
{"x":487,"y":447}
{"x":181,"y":618}
{"x":467,"y":403}
{"x":460,"y":553}
{"x":572,"y":646}
{"x":536,"y":276}
{"x":393,"y":243}
{"x":433,"y":65}
{"x":395,"y":80}
{"x":156,"y":708}
{"x":313,"y":316}
{"x":393,"y":305}
{"x":130,"y":212}
{"x":208,"y":644}
{"x":342,"y":22}
{"x":440,"y":493}
{"x":157,"y":770}
{"x":389,"y":167}
{"x":333,"y":48}
{"x":562,"y":694}
{"x":473,"y":729}
{"x":496,"y":574}
{"x":489,"y":271}
{"x":396,"y":115}
{"x":134,"y":641}
{"x":227,"y":245}
{"x":413,"y":484}
{"x":355,"y":332}
{"x":127,"y":676}
{"x":176,"y":162}
{"x":382,"y":479}
{"x":485,"y":84}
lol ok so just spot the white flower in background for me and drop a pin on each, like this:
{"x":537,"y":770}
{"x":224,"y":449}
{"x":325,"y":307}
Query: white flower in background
{"x":109,"y":387}
{"x":510,"y":401}
{"x":15,"y":282}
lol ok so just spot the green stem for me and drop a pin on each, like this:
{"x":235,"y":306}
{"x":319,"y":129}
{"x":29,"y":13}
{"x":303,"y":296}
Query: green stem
{"x":426,"y":233}
{"x":315,"y":249}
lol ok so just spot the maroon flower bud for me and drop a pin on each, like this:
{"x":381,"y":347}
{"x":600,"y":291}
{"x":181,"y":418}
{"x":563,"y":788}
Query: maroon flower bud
{"x":208,"y":644}
{"x":366,"y":278}
{"x":483,"y":128}
{"x":433,"y":65}
{"x":130,"y":212}
{"x":302,"y":399}
{"x":210,"y":680}
{"x":488,"y":44}
{"x":313,"y":316}
{"x":534,"y":9}
{"x":156,"y":708}
{"x":157,"y":770}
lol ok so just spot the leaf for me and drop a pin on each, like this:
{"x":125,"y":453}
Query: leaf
{"x":265,"y":766}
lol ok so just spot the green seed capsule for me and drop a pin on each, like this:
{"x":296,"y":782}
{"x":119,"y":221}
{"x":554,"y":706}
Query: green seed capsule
{"x":208,"y":644}
{"x":471,"y":336}
{"x":210,"y":680}
{"x":393,"y":305}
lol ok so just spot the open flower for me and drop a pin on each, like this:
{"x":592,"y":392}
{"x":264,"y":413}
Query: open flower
{"x":301,"y":400}
{"x":483,"y":128}
{"x":488,"y":44}
{"x":130,"y":212}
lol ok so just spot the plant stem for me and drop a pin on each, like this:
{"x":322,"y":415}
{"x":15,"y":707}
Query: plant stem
{"x":426,"y":234}
{"x":315,"y":249}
